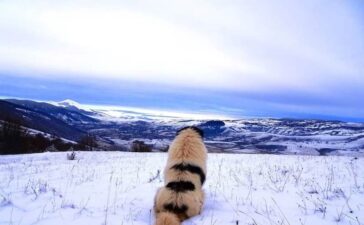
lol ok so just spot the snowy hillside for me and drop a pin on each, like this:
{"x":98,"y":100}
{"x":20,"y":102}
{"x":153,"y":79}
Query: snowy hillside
{"x":116,"y":128}
{"x":260,"y":135}
{"x":118,"y":188}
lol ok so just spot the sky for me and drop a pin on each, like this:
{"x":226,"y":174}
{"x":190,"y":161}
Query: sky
{"x":298,"y":59}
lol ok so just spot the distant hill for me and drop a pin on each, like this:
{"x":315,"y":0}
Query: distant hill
{"x":44,"y":117}
{"x":118,"y":128}
{"x":65,"y":112}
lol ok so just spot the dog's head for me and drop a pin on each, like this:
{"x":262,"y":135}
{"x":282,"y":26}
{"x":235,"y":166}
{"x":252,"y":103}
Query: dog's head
{"x":194,"y":128}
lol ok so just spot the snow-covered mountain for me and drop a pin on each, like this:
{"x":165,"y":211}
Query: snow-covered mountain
{"x":119,"y":126}
{"x":69,"y":103}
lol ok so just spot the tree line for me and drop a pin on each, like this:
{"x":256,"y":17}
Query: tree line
{"x":15,"y":139}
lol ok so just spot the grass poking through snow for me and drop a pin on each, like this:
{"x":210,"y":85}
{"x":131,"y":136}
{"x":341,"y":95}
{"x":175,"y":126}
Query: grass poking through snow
{"x":118,"y":188}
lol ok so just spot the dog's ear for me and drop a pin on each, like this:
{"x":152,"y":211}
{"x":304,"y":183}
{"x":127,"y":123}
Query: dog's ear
{"x":196,"y":129}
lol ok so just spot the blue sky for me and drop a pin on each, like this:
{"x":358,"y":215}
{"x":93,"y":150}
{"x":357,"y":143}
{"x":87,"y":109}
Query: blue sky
{"x":301,"y":59}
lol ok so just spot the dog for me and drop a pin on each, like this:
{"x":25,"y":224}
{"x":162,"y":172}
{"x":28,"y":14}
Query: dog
{"x":182,"y":196}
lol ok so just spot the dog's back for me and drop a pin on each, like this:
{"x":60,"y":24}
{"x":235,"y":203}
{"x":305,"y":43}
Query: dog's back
{"x":182,"y":196}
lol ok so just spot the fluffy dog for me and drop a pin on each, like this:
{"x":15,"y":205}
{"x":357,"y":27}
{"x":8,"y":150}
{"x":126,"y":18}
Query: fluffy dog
{"x":182,"y":196}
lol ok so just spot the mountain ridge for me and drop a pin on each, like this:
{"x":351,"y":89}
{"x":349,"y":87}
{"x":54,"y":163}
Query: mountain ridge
{"x":119,"y":128}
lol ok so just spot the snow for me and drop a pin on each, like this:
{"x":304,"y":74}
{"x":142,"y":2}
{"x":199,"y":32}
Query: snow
{"x":119,"y":187}
{"x":69,"y":103}
{"x":122,"y":113}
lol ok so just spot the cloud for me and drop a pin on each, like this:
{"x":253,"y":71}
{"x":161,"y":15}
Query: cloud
{"x":119,"y":43}
{"x":290,"y":53}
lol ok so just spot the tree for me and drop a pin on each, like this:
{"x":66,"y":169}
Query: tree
{"x":39,"y":143}
{"x":140,"y":146}
{"x":88,"y":142}
{"x":13,"y":137}
{"x":60,"y":145}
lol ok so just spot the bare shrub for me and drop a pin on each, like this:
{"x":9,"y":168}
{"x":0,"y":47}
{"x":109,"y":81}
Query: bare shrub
{"x":71,"y":156}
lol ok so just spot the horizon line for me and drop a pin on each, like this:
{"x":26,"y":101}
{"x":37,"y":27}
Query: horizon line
{"x":172,"y":113}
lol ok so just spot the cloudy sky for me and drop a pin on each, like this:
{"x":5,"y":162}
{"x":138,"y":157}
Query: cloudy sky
{"x":283,"y":58}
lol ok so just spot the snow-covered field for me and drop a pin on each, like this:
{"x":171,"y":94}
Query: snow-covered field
{"x":118,"y":188}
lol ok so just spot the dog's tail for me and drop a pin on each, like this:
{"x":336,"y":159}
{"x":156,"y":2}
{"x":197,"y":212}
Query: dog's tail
{"x":167,"y":218}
